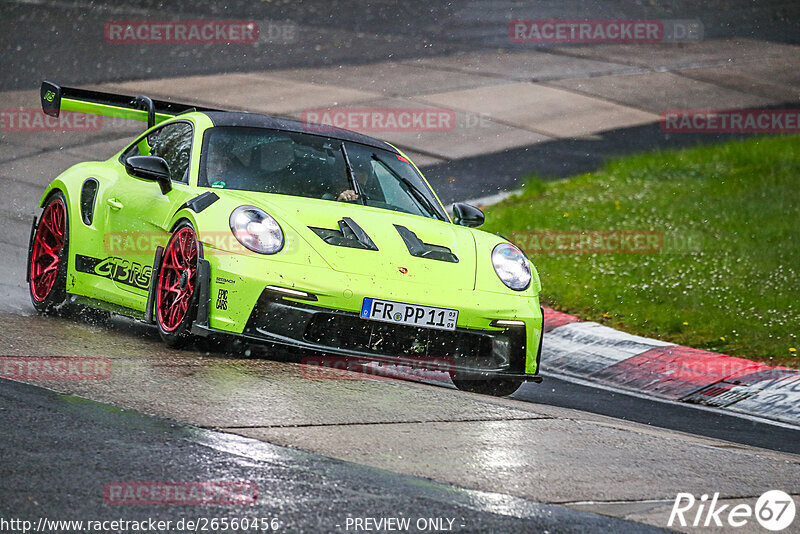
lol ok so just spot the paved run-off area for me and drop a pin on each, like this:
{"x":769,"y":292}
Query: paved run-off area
{"x":287,"y":490}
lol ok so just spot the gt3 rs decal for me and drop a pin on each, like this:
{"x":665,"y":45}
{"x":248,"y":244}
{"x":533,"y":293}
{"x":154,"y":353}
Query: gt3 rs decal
{"x":117,"y":269}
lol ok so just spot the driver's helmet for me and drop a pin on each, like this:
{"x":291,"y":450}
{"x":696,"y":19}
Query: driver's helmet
{"x":276,"y":154}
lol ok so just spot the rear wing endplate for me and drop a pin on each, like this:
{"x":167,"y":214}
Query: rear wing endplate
{"x":56,"y":99}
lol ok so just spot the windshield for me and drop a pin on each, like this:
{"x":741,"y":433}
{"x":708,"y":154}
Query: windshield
{"x":288,"y":163}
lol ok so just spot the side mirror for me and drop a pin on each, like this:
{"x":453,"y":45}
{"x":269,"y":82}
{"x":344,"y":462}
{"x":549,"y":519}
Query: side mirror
{"x":150,"y":168}
{"x":467,"y":215}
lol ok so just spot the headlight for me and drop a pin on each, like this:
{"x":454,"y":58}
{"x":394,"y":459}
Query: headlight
{"x":511,"y":266}
{"x":256,"y":230}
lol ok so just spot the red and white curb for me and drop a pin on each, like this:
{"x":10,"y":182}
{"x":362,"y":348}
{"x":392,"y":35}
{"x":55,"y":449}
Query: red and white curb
{"x":601,"y":355}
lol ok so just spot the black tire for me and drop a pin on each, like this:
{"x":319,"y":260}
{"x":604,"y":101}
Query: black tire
{"x":495,"y":388}
{"x":176,"y":333}
{"x":50,"y":298}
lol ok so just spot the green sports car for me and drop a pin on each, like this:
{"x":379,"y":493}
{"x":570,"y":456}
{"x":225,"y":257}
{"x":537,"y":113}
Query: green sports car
{"x":282,"y":233}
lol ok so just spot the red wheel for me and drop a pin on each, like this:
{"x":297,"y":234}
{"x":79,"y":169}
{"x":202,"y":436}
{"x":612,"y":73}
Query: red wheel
{"x":48,"y":257}
{"x":177,"y":282}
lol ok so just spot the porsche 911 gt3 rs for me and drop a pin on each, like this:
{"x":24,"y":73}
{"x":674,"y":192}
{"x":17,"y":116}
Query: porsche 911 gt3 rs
{"x":278,"y":232}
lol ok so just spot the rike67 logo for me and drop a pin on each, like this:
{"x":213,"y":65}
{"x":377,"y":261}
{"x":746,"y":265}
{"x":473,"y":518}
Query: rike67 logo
{"x":774,"y":511}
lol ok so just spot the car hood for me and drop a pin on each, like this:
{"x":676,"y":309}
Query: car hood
{"x":392,"y":260}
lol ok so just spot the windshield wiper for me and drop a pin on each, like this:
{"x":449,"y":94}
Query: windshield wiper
{"x":413,"y":189}
{"x":351,"y":175}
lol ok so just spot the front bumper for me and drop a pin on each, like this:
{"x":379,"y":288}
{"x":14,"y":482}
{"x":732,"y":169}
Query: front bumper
{"x":466,"y":353}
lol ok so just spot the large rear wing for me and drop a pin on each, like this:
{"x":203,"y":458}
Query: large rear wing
{"x":139,"y":108}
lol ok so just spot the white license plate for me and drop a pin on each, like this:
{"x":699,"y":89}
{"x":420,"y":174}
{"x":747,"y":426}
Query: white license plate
{"x":409,"y":314}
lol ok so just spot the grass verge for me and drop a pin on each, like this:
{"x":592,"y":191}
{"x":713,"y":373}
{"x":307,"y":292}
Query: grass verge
{"x":706,"y":253}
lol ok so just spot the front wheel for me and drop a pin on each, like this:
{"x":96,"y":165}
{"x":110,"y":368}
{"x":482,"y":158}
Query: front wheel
{"x":176,"y":289}
{"x":48,"y":257}
{"x":496,"y":388}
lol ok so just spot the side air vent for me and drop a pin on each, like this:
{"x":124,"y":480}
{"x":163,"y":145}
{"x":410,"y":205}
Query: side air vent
{"x":349,"y":234}
{"x":88,"y":196}
{"x":424,"y":250}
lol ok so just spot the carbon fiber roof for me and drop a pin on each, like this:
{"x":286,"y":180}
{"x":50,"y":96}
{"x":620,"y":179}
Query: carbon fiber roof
{"x":257,"y":120}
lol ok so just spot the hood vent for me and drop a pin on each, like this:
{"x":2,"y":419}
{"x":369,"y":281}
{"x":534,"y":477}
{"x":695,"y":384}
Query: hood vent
{"x":424,"y":250}
{"x":349,"y":234}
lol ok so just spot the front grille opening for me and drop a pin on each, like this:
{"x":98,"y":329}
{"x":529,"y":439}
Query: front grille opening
{"x":353,"y":333}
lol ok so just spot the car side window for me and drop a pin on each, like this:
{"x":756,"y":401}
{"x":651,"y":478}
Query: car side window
{"x":173,"y":142}
{"x":139,"y":148}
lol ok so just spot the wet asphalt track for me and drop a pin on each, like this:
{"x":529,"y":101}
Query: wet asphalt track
{"x":52,"y":467}
{"x":68,"y":42}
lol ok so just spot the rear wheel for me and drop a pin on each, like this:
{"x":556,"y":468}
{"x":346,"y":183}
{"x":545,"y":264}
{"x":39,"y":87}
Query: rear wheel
{"x":496,"y":388}
{"x":48,"y":258}
{"x":176,"y":289}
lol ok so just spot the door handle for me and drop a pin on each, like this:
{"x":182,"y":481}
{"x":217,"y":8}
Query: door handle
{"x":114,"y":203}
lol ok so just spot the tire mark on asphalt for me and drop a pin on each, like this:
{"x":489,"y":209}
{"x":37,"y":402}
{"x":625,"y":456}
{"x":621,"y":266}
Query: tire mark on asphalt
{"x":371,"y":423}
